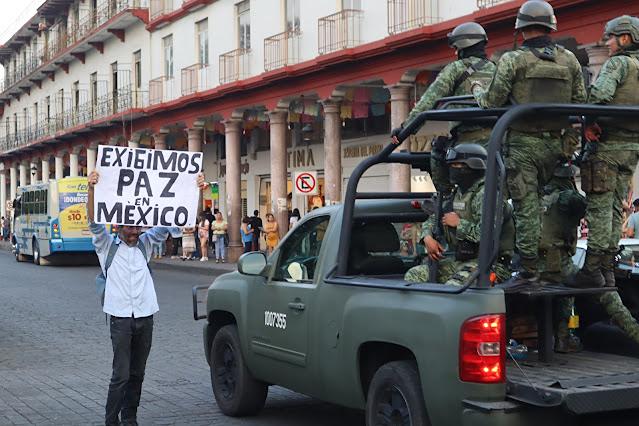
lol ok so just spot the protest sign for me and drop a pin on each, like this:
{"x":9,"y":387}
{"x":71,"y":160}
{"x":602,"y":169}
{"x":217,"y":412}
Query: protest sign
{"x":146,"y":187}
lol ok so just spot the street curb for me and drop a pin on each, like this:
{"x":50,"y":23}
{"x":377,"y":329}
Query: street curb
{"x":189,"y":269}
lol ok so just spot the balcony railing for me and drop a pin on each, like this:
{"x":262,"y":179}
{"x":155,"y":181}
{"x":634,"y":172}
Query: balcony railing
{"x":340,"y":30}
{"x":282,"y":49}
{"x":195,"y":78}
{"x":483,"y":4}
{"x":405,"y":15}
{"x":61,"y":40}
{"x":162,"y":89}
{"x":234,"y":65}
{"x":161,"y":7}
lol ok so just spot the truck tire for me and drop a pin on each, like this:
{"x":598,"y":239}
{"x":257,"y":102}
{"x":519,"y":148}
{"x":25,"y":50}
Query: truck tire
{"x":395,"y":396}
{"x":36,"y":252}
{"x":236,"y":391}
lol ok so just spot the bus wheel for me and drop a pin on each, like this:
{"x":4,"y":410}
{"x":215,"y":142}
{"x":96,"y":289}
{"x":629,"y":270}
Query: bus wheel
{"x":36,"y":252}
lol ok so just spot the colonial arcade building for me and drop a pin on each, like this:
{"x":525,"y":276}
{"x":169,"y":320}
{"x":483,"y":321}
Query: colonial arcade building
{"x":264,"y":88}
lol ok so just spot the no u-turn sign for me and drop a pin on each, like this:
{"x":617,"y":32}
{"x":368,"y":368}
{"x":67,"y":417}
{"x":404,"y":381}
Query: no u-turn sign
{"x":305,"y":183}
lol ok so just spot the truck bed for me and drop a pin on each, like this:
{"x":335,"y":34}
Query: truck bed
{"x":585,"y":382}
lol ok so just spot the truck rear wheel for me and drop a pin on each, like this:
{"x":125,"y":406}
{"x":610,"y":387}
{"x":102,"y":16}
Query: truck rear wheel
{"x":395,"y":396}
{"x":236,"y":391}
{"x":36,"y":252}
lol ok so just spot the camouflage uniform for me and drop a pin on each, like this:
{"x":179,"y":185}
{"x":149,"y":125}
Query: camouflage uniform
{"x":451,"y":271}
{"x":447,"y":84}
{"x":607,"y":174}
{"x":534,"y":147}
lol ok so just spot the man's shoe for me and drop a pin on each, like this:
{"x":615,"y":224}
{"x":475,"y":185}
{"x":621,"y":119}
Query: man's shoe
{"x":588,"y":279}
{"x":129,"y":422}
{"x":568,"y":344}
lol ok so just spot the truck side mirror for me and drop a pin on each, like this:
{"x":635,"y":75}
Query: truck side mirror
{"x":251,"y":263}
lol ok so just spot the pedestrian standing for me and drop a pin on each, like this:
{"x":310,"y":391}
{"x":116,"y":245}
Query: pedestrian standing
{"x":131,"y":321}
{"x":188,"y":243}
{"x":469,"y":41}
{"x":257,"y":226}
{"x":538,"y":71}
{"x":606,"y":176}
{"x":295,"y":217}
{"x":631,"y":227}
{"x":246,"y":232}
{"x":204,"y":226}
{"x":208,"y":215}
{"x":219,"y":227}
{"x":2,"y":228}
{"x":271,"y":233}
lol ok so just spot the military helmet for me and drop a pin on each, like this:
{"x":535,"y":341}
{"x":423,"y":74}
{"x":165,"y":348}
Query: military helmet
{"x":536,"y":13}
{"x":466,"y":35}
{"x":623,"y":25}
{"x":470,"y":154}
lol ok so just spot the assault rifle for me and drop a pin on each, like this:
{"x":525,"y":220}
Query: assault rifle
{"x":437,"y":208}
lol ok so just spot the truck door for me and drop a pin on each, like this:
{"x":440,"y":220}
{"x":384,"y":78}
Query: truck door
{"x":279,"y":336}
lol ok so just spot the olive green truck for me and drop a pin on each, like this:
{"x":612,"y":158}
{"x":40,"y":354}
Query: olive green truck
{"x":329,"y":315}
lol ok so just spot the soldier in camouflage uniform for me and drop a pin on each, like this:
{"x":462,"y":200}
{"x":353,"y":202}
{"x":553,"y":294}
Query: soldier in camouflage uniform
{"x":539,"y":71}
{"x":606,"y":175}
{"x":469,"y":40}
{"x":467,"y":163}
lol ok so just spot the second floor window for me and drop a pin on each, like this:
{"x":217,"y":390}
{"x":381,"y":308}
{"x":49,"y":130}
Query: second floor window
{"x":203,"y":42}
{"x":167,"y":43}
{"x":244,"y":24}
{"x":93,"y":81}
{"x":137,"y":59}
{"x":292,"y":15}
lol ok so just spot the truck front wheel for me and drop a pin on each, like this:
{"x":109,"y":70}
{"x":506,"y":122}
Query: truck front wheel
{"x":236,"y":391}
{"x":395,"y":396}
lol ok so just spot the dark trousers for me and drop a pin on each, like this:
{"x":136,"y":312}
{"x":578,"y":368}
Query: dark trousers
{"x":131,"y":339}
{"x":248,"y":246}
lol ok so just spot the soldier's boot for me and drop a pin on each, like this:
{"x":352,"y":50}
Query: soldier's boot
{"x":608,"y":270}
{"x":565,"y":342}
{"x":614,"y":307}
{"x":528,"y":272}
{"x":590,"y":275}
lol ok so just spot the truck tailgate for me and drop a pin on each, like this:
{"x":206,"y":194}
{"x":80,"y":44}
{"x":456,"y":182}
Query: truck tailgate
{"x":585,"y":382}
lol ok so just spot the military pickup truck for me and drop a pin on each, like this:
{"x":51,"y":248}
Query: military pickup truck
{"x":329,"y":315}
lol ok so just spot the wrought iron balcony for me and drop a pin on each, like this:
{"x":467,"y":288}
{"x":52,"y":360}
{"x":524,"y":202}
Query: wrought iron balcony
{"x":196,"y":78}
{"x":405,"y":15}
{"x":282,"y":49}
{"x":162,"y":89}
{"x":340,"y":30}
{"x":161,"y":7}
{"x":234,"y":65}
{"x":483,"y":4}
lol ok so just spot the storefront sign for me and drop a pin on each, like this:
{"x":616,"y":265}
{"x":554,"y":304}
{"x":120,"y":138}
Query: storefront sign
{"x":362,"y":150}
{"x":306,"y":183}
{"x":300,"y":158}
{"x":147,"y":187}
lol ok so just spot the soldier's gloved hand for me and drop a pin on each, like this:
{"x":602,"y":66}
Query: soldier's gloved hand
{"x":395,"y":133}
{"x":592,"y":132}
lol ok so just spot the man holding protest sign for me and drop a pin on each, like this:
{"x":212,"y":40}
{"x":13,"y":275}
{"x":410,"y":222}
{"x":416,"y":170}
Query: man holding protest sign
{"x":133,"y":194}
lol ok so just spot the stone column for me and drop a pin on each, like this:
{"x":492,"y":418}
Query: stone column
{"x":159,"y":140}
{"x":33,"y":172}
{"x":278,"y":127}
{"x":59,"y":165}
{"x":23,"y":174}
{"x":73,"y":163}
{"x":45,"y":169}
{"x":332,"y":153}
{"x":194,"y":136}
{"x":233,"y":188}
{"x":92,"y":153}
{"x":597,"y":56}
{"x":399,"y":173}
{"x":13,"y":182}
{"x":3,"y":193}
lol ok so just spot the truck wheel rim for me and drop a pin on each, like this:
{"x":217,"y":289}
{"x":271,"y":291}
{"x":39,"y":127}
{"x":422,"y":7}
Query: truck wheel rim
{"x":227,"y":371}
{"x":392,"y":408}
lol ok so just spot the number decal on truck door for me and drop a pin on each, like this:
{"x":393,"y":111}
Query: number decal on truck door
{"x":275,"y":319}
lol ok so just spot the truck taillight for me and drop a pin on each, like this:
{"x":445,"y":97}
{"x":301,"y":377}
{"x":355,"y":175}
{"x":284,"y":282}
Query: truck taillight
{"x":482,"y":349}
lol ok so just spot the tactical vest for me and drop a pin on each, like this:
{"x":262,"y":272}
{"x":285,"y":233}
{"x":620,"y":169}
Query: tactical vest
{"x":462,"y":204}
{"x":475,"y":71}
{"x":543,"y":81}
{"x":627,"y":94}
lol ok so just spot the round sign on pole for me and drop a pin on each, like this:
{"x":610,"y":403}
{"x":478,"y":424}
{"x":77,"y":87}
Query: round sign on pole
{"x":306,"y":183}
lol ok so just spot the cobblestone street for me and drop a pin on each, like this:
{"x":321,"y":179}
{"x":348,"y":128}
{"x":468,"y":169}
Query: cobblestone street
{"x":55,"y":356}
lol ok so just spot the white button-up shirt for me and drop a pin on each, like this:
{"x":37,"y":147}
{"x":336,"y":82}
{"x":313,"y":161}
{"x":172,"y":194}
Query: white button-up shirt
{"x":129,"y":286}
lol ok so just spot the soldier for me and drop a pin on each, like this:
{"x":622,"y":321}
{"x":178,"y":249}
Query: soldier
{"x":467,"y":163}
{"x":469,"y":40}
{"x":539,"y":71}
{"x":562,"y":208}
{"x":606,"y":175}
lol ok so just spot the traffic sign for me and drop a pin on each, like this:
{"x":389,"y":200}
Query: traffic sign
{"x":306,"y":183}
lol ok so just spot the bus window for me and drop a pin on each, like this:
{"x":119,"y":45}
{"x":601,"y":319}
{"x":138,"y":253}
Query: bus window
{"x":45,"y":199}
